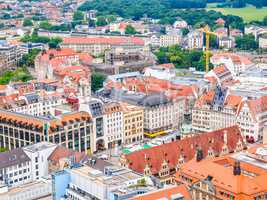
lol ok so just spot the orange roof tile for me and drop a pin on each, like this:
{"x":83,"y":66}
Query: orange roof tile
{"x":187,"y":147}
{"x":165,"y":193}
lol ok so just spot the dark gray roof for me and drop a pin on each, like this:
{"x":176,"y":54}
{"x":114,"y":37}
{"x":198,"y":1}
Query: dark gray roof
{"x":153,"y":100}
{"x":13,"y":157}
{"x":139,"y":99}
{"x":96,"y":108}
{"x":32,"y":98}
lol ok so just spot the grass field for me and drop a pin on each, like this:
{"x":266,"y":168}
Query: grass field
{"x":248,"y":13}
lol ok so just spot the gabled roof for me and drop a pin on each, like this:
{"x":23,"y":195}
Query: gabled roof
{"x":62,"y":152}
{"x":13,"y":157}
{"x":187,"y":148}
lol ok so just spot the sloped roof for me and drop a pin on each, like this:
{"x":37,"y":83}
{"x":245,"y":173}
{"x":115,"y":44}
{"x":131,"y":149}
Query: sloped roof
{"x":13,"y":157}
{"x":104,"y":40}
{"x":187,"y":147}
{"x":62,"y":152}
{"x":165,"y":193}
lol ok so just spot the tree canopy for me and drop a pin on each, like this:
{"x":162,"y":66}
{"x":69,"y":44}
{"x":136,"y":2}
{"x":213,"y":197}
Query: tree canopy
{"x":181,"y":58}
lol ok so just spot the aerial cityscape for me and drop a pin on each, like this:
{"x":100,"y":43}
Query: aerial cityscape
{"x":133,"y":99}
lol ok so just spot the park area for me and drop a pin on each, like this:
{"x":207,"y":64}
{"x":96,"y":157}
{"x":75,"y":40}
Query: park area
{"x":249,"y":13}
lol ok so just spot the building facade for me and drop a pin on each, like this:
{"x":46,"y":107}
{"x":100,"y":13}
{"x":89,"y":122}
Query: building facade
{"x":73,"y":130}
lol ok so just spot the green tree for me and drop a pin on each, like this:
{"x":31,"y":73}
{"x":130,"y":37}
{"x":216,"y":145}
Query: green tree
{"x":2,"y":149}
{"x":28,"y":59}
{"x":54,"y":42}
{"x":130,"y":30}
{"x":97,"y":81}
{"x":45,"y":25}
{"x":78,"y":17}
{"x":101,"y":21}
{"x":247,"y":42}
{"x":27,"y":22}
{"x":264,"y":22}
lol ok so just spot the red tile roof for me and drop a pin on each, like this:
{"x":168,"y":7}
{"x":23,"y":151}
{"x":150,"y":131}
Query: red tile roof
{"x":187,"y":147}
{"x":62,"y":152}
{"x":103,"y":40}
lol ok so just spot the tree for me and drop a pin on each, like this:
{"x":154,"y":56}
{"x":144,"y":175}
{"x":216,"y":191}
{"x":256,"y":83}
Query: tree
{"x":45,"y":25}
{"x":264,"y":22}
{"x":101,"y":21}
{"x":247,"y":42}
{"x":27,"y":22}
{"x":78,"y":17}
{"x":97,"y":81}
{"x":185,"y":31}
{"x":181,"y":58}
{"x":28,"y":59}
{"x":2,"y":149}
{"x":54,"y":42}
{"x":130,"y":30}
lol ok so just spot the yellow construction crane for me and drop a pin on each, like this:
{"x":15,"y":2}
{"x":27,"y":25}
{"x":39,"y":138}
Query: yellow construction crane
{"x":207,"y":32}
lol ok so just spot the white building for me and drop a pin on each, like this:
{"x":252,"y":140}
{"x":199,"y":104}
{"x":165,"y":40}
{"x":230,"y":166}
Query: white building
{"x":195,"y":40}
{"x":39,"y":153}
{"x":234,"y":62}
{"x":15,"y":168}
{"x":160,"y":72}
{"x":263,"y":41}
{"x":170,"y":39}
{"x":226,"y":42}
{"x":87,"y":182}
{"x":33,"y":190}
{"x":113,"y":124}
{"x":37,"y":106}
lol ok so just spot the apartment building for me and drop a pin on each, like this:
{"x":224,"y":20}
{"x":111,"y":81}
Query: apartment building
{"x":113,"y":123}
{"x":32,"y":104}
{"x":215,"y":110}
{"x":221,"y":74}
{"x":195,"y":40}
{"x":95,"y":108}
{"x":236,"y":176}
{"x":219,"y":109}
{"x":97,"y":45}
{"x":251,"y":118}
{"x":72,"y":130}
{"x":234,"y":62}
{"x":170,"y":39}
{"x":10,"y":56}
{"x":133,"y":123}
{"x":15,"y":168}
{"x":263,"y":41}
{"x":164,"y":160}
{"x":160,"y":113}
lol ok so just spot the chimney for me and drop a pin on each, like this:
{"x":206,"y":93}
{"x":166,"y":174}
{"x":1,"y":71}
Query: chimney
{"x":225,"y":137}
{"x":237,"y":169}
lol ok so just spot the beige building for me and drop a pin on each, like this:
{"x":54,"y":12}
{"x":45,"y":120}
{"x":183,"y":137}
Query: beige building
{"x":195,"y":40}
{"x":211,"y":113}
{"x":170,"y":39}
{"x":133,"y":126}
{"x":263,"y":41}
{"x":97,"y":45}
